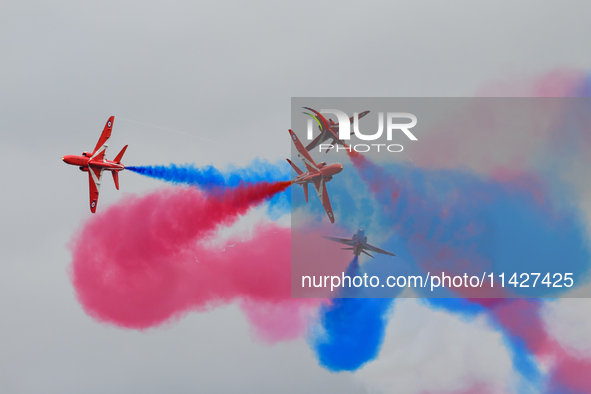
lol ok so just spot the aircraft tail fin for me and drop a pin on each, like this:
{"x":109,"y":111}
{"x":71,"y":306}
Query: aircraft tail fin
{"x":367,"y":253}
{"x":116,"y":178}
{"x":120,"y":156}
{"x":297,"y":170}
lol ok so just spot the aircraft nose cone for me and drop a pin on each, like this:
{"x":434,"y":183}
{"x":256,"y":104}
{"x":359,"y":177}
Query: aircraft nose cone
{"x":63,"y":159}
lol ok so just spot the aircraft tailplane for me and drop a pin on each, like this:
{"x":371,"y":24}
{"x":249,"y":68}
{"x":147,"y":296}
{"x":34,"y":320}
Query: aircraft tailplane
{"x":367,"y":253}
{"x":297,"y":170}
{"x":119,"y":157}
{"x":116,"y":178}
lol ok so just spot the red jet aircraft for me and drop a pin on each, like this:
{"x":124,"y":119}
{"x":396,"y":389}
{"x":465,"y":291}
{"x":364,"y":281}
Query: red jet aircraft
{"x":328,"y":129}
{"x":94,"y":163}
{"x":318,"y":174}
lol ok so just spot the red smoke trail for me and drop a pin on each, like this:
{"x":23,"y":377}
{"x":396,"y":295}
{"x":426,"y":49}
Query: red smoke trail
{"x":143,"y":261}
{"x":357,"y":158}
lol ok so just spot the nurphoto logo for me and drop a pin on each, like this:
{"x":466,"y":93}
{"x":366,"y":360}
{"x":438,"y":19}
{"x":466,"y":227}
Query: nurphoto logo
{"x":396,"y":123}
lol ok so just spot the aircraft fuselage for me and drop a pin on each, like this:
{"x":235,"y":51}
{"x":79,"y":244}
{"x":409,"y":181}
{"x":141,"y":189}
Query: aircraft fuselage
{"x":326,"y":172}
{"x":360,"y":242}
{"x":84,"y":161}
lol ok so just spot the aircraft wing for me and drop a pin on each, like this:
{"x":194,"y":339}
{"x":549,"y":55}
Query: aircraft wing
{"x":345,"y":241}
{"x":316,"y":141}
{"x":303,"y":154}
{"x":359,"y":116}
{"x":101,"y":145}
{"x":94,"y":179}
{"x":320,"y":187}
{"x":377,"y":250}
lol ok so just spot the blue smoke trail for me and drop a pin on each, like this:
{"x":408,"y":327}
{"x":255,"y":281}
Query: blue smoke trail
{"x":514,"y":233}
{"x":448,"y":217}
{"x":209,"y":177}
{"x":523,"y":361}
{"x":352,"y":330}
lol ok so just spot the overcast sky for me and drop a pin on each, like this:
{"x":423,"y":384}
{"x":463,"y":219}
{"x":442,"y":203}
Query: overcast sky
{"x":205,"y":82}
